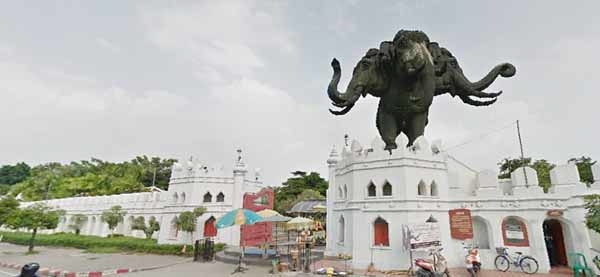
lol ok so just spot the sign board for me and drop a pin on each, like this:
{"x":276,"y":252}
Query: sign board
{"x":554,"y":213}
{"x":424,"y":235}
{"x":461,"y":225}
{"x":258,"y":233}
{"x":514,"y":232}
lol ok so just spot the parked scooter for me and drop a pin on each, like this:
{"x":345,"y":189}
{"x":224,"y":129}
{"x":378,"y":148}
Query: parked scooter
{"x":437,"y":266}
{"x":472,"y":259}
{"x":29,"y":270}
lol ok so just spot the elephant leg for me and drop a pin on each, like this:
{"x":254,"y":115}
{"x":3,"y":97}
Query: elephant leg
{"x":416,"y":126}
{"x":388,"y":128}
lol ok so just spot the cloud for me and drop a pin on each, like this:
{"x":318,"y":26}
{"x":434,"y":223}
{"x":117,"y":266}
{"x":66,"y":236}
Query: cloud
{"x":229,"y":35}
{"x":106,"y":44}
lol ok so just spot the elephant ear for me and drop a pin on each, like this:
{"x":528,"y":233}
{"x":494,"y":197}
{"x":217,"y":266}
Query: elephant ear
{"x":444,"y":63}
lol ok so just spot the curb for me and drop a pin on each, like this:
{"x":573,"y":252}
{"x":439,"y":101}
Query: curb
{"x":44,"y":271}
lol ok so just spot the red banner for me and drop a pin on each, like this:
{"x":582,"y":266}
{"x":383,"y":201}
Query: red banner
{"x":461,"y":226}
{"x":259,"y":233}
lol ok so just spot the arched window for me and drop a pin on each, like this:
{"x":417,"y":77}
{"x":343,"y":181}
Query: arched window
{"x":380,"y":227}
{"x":173,"y":231}
{"x":210,"y":230}
{"x":422,"y":189}
{"x":207,"y":198}
{"x":514,"y":232}
{"x":183,"y":197}
{"x":175,"y":197}
{"x":345,"y":192}
{"x":341,"y":229}
{"x":220,"y":197}
{"x":371,"y":190}
{"x":340,"y":193}
{"x":481,"y":235}
{"x":387,"y":189}
{"x":434,"y":189}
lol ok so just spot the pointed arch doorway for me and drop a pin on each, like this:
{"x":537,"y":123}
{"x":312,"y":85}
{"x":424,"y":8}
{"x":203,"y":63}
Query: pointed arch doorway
{"x":555,"y":242}
{"x":210,"y":230}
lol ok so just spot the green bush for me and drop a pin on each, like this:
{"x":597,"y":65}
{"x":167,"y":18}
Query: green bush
{"x":123,"y":244}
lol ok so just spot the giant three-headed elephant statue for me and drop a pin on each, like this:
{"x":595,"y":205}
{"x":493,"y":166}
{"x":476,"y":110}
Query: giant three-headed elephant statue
{"x":406,"y":74}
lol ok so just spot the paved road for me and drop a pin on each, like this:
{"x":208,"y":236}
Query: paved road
{"x":216,"y":269}
{"x":7,"y":272}
{"x":77,"y":260}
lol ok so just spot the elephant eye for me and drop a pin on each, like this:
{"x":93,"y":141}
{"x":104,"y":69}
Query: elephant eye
{"x":365,"y":64}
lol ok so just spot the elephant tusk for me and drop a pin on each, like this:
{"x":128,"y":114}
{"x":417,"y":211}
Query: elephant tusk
{"x":342,"y":112}
{"x":472,"y":102}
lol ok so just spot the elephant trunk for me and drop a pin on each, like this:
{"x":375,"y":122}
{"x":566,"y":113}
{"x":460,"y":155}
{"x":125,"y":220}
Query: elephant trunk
{"x":505,"y":70}
{"x":342,"y":100}
{"x":466,"y":88}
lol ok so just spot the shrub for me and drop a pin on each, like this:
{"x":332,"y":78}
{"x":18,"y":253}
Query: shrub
{"x":123,"y":244}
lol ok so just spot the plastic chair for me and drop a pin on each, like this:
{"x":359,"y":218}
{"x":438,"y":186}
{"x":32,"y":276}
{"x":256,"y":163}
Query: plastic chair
{"x":579,"y":265}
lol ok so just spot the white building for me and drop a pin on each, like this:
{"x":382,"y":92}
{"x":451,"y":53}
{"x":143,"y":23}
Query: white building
{"x":193,"y":184}
{"x":372,"y":194}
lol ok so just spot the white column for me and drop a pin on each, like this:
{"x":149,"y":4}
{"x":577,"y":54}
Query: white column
{"x":331,"y":233}
{"x":537,"y":244}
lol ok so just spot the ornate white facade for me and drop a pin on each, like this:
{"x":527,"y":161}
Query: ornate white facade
{"x":193,"y":184}
{"x":412,"y":184}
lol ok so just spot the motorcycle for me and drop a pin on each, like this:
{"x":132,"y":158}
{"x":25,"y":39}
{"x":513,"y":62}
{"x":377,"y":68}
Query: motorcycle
{"x":29,"y":270}
{"x":472,"y":259}
{"x":437,"y":266}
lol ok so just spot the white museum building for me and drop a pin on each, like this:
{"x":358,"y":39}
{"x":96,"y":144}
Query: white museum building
{"x":193,"y":184}
{"x":372,"y":195}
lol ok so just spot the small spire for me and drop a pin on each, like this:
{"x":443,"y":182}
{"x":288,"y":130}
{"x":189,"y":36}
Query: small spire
{"x":333,"y":156}
{"x":346,"y":137}
{"x":240,"y":160}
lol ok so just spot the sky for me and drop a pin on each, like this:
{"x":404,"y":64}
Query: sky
{"x":116,"y":79}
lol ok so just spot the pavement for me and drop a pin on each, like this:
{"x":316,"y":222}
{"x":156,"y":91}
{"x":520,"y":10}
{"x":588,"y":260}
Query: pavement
{"x":76,"y":260}
{"x":89,"y":264}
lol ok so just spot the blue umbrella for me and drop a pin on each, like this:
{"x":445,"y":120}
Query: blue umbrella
{"x":238,"y":217}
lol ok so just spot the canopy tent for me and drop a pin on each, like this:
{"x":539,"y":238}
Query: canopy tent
{"x":308,"y":207}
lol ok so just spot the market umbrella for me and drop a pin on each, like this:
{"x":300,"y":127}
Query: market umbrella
{"x":267,"y":213}
{"x":299,"y":222}
{"x":237,"y":217}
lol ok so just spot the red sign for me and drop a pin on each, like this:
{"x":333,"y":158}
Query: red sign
{"x":461,"y":226}
{"x":258,"y":233}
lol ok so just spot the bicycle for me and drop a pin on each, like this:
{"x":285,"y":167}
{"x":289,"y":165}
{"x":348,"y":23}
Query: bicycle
{"x":528,"y":264}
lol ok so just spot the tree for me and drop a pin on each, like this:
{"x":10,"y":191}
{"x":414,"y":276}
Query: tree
{"x":8,"y":205}
{"x":542,"y":167}
{"x":4,"y":188}
{"x":153,"y":226}
{"x":35,"y":217}
{"x":592,"y":218}
{"x":93,"y":177}
{"x":288,"y":193}
{"x":12,"y":174}
{"x":113,"y":217}
{"x":154,"y":170}
{"x":187,"y":221}
{"x":139,"y":223}
{"x":584,"y":166}
{"x":508,"y":165}
{"x":77,"y":222}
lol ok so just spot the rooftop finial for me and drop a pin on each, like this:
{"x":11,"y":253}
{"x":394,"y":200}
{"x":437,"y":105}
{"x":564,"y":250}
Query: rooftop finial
{"x":346,"y":136}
